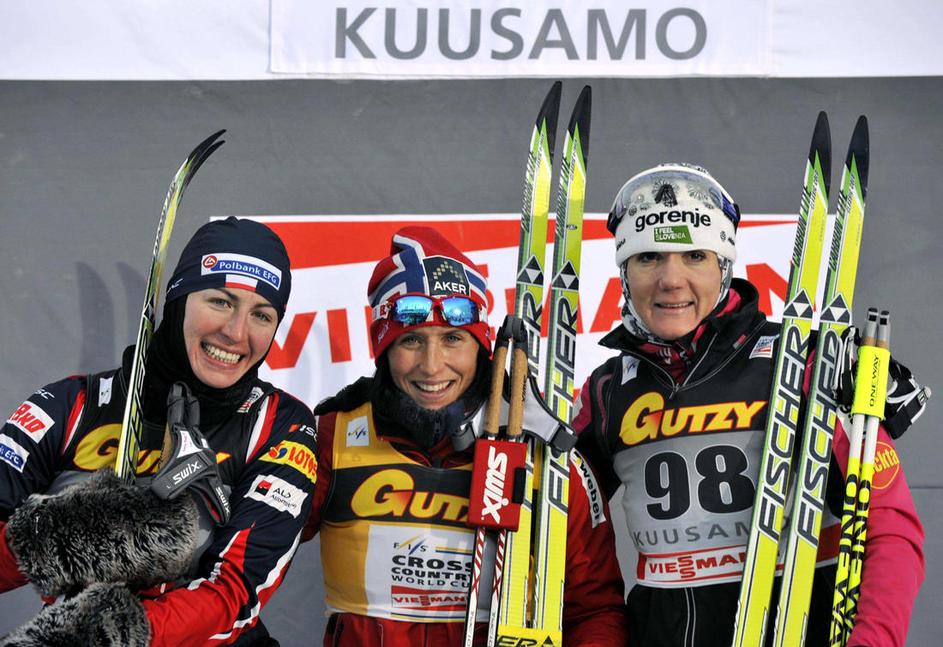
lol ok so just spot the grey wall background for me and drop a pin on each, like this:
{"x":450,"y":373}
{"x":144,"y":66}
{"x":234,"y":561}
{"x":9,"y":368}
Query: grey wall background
{"x":84,"y":168}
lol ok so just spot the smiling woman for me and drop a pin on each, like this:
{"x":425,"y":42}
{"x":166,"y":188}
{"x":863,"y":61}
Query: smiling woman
{"x":227,"y":332}
{"x":224,"y":302}
{"x":394,"y":477}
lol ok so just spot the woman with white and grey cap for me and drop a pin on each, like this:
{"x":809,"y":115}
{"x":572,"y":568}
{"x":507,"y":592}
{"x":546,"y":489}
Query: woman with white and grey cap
{"x":678,"y":418}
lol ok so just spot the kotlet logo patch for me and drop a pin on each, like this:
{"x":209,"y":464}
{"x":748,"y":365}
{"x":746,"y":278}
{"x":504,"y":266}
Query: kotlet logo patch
{"x":445,"y":276}
{"x":242,"y":266}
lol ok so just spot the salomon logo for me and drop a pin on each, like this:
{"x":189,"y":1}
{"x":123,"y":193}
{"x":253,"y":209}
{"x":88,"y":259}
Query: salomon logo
{"x":494,"y":498}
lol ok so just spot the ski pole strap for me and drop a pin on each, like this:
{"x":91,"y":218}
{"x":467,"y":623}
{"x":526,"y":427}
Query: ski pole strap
{"x":187,"y":460}
{"x":907,"y":412}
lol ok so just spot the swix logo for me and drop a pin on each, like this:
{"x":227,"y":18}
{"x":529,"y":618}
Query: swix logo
{"x":647,"y":418}
{"x":32,"y":420}
{"x":392,"y":493}
{"x":493,"y":496}
{"x":188,"y":469}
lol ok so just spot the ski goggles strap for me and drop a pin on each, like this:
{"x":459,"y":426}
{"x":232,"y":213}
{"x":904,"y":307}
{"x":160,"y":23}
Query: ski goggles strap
{"x":415,"y":309}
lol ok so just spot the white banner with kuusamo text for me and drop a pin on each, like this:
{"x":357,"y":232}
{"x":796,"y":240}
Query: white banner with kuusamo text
{"x":502,"y":38}
{"x":396,"y":39}
{"x":323,"y":343}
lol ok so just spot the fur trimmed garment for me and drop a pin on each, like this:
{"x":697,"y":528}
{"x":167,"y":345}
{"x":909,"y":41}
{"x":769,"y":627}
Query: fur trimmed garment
{"x":103,"y":615}
{"x":102,"y":530}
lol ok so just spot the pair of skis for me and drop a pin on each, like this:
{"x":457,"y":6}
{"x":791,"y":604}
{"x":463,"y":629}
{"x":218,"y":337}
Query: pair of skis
{"x":527,"y":592}
{"x":811,"y":474}
{"x":129,"y":441}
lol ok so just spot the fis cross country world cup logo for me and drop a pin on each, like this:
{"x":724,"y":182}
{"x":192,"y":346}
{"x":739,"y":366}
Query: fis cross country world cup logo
{"x":242,"y":265}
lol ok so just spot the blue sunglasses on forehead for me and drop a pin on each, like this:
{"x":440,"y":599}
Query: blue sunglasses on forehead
{"x":415,"y":309}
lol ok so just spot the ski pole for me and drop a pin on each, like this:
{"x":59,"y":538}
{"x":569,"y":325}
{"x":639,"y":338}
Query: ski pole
{"x":868,"y":387}
{"x":872,"y":393}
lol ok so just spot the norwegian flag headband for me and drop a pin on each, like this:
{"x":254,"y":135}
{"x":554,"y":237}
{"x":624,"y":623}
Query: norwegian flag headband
{"x":422,"y":261}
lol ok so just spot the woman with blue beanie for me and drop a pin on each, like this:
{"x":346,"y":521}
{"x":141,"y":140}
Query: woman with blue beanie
{"x":136,"y":567}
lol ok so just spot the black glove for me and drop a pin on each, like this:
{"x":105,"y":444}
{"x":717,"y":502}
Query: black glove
{"x":187,"y":460}
{"x":102,"y":530}
{"x":103,"y":615}
{"x":906,"y":400}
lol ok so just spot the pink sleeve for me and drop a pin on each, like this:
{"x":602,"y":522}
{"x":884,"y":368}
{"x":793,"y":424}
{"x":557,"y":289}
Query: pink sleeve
{"x":894,"y":563}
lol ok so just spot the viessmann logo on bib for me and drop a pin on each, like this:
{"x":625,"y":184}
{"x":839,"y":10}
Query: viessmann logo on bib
{"x":242,"y":265}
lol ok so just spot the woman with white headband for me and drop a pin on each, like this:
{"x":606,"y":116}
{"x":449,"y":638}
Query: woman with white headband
{"x":678,"y":418}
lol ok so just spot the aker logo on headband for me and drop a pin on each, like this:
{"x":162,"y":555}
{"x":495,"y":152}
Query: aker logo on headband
{"x":236,"y":266}
{"x":675,"y":234}
{"x":445,"y":276}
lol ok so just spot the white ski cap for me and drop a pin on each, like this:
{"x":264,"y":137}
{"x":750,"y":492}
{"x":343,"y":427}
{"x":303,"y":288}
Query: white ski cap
{"x":673,"y":207}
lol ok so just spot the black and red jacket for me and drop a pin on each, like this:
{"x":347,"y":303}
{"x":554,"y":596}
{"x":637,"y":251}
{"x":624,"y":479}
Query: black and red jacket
{"x":266,"y":454}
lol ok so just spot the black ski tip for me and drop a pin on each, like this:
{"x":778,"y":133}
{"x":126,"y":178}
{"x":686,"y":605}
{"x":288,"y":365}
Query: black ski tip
{"x":859,"y":150}
{"x":549,"y":111}
{"x":199,"y":154}
{"x":822,"y":146}
{"x":580,"y":118}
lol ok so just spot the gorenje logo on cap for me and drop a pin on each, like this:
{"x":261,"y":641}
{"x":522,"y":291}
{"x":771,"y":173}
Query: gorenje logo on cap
{"x":695,"y":218}
{"x":674,"y":234}
{"x":240,"y":264}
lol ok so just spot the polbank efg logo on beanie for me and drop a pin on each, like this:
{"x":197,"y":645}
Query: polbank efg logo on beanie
{"x":674,"y":208}
{"x":241,"y":271}
{"x":234,"y":253}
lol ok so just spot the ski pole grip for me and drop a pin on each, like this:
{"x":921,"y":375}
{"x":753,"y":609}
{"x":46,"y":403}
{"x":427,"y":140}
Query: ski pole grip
{"x":519,"y":370}
{"x":499,"y":357}
{"x":493,"y":412}
{"x":871,"y":380}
